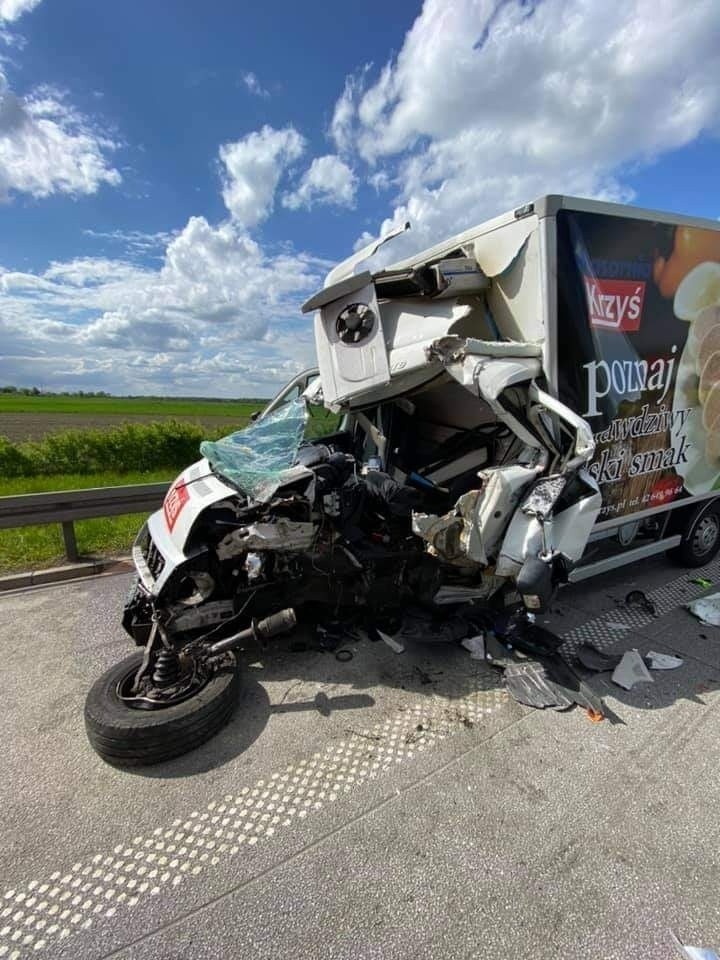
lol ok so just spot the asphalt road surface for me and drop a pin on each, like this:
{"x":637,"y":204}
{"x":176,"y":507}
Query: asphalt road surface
{"x":392,"y":806}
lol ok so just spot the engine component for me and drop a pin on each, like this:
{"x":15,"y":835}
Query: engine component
{"x":203,"y":585}
{"x":254,"y":564}
{"x":282,"y":536}
{"x":198,"y":617}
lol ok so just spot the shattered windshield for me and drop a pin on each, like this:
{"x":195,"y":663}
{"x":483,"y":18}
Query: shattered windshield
{"x":259,"y":456}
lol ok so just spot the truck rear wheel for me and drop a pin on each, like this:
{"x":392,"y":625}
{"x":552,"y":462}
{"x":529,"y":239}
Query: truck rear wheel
{"x":701,"y":541}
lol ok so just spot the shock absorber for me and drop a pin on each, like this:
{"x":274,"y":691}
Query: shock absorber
{"x":260,"y":630}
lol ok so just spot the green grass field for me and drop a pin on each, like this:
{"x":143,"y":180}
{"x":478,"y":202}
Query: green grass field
{"x":79,"y":459}
{"x":32,"y":548}
{"x":146,"y":406}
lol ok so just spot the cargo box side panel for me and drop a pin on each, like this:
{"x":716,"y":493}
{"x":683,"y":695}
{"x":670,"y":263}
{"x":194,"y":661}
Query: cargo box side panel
{"x":638,"y":334}
{"x":510,"y":256}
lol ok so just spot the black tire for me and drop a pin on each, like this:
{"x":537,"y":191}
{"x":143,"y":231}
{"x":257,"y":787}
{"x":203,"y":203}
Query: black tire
{"x":127,"y":737}
{"x":701,"y":541}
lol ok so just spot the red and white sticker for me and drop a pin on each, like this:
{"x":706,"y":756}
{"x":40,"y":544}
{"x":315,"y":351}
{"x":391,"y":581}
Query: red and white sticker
{"x":176,"y":498}
{"x":615,"y":304}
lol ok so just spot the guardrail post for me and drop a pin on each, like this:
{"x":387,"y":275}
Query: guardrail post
{"x":71,"y":550}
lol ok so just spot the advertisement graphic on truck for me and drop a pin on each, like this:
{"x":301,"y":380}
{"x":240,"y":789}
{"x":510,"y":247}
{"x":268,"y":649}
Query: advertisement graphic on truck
{"x":639,"y":354}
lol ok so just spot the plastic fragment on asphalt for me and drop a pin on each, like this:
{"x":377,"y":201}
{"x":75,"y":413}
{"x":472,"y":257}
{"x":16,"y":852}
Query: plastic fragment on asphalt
{"x":631,"y":670}
{"x":707,"y":609}
{"x":476,"y":646}
{"x":391,"y":642}
{"x":594,"y":716}
{"x":595,"y":660}
{"x":701,"y":582}
{"x":694,"y":953}
{"x":662,"y":661}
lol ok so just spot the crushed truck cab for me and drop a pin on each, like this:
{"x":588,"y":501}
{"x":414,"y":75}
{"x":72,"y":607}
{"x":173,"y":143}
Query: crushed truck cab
{"x":451,"y":343}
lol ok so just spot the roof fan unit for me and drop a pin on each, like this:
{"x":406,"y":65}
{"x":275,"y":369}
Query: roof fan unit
{"x":355,"y":323}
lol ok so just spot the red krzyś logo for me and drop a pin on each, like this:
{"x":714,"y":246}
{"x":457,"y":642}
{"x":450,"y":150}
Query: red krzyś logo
{"x":615,"y":304}
{"x":176,"y":498}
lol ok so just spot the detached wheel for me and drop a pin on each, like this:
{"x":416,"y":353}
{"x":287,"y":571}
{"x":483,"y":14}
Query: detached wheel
{"x":701,"y":542}
{"x":126,"y":736}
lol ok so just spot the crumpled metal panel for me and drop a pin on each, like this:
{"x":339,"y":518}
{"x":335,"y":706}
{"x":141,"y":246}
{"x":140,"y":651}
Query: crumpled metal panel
{"x":471,"y":532}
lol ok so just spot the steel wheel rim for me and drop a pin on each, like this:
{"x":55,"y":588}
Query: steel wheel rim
{"x":706,"y":534}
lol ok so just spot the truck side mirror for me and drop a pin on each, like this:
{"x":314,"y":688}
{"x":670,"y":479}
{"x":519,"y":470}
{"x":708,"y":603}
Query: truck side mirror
{"x":255,"y":414}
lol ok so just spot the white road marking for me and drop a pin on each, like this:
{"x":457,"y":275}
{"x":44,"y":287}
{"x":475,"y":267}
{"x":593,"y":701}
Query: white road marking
{"x":39,"y":914}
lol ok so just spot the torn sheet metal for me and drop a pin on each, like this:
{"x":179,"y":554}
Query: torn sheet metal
{"x":346,"y":268}
{"x":496,"y":250}
{"x":707,"y":609}
{"x":631,"y":670}
{"x":512,"y":256}
{"x":471,"y":532}
{"x":453,"y":348}
{"x":566,"y":533}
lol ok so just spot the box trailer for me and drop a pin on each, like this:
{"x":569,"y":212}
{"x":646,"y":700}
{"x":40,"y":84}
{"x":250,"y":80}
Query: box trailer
{"x":622,"y":307}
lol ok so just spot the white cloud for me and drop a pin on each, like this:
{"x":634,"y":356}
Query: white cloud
{"x":342,"y":125}
{"x":218,"y":317}
{"x":133,"y":242}
{"x":253,"y":84}
{"x":11,"y":10}
{"x":328,"y":180}
{"x":253,"y":167}
{"x":47,"y":147}
{"x":491,"y":104}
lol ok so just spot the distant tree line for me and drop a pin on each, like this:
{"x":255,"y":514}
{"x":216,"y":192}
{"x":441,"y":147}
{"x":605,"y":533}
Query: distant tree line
{"x":37,"y":392}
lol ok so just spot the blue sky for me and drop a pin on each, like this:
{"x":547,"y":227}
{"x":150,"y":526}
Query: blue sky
{"x":176,"y":177}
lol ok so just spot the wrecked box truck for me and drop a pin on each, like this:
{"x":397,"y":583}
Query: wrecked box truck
{"x":532,"y":401}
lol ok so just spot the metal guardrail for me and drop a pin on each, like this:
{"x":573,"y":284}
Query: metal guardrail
{"x":66,"y":506}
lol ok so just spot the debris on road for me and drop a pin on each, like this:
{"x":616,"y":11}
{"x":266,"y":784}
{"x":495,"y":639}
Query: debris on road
{"x":640,"y":599}
{"x":343,"y":655}
{"x":596,"y":660}
{"x":694,"y":953}
{"x":707,"y":609}
{"x":616,"y":625}
{"x":476,"y":646}
{"x":390,"y":641}
{"x":662,"y":661}
{"x":631,"y":670}
{"x":701,"y":582}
